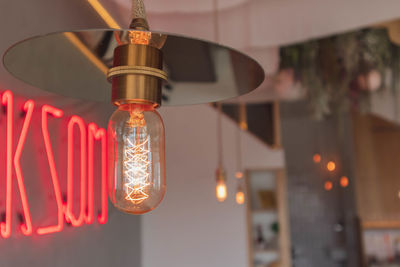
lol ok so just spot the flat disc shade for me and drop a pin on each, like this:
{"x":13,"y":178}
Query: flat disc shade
{"x":75,"y":64}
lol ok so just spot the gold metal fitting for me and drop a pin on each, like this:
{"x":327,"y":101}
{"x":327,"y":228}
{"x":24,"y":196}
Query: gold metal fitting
{"x":137,"y":75}
{"x":139,"y":24}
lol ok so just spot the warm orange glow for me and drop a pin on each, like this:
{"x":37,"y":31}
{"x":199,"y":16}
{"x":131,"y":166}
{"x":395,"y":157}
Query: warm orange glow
{"x":239,"y":175}
{"x":243,"y":125}
{"x":139,"y":37}
{"x":317,"y":158}
{"x":328,"y":186}
{"x":344,"y":181}
{"x":331,"y":166}
{"x":103,"y":13}
{"x":221,"y":191}
{"x":239,"y":197}
{"x":136,"y":163}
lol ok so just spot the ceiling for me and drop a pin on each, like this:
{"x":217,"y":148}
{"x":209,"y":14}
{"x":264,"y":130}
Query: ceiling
{"x":257,"y":27}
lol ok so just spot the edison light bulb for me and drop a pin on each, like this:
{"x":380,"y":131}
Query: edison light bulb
{"x":239,"y":174}
{"x":221,"y":191}
{"x":137,"y":150}
{"x":239,"y":197}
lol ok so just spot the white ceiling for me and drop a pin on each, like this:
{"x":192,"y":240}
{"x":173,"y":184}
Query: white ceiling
{"x":257,"y":27}
{"x":261,"y":23}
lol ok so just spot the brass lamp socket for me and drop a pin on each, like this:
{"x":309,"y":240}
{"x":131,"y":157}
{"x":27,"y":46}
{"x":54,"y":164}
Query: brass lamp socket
{"x":137,"y":75}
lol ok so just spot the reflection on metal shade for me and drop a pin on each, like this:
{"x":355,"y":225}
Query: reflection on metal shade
{"x":73,"y":64}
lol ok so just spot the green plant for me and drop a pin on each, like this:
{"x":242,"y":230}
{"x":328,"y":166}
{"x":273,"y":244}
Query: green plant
{"x":336,"y":70}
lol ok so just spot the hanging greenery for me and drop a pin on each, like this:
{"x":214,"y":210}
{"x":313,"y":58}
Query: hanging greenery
{"x":340,"y":72}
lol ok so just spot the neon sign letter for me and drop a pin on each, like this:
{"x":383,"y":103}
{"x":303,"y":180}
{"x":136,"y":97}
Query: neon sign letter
{"x":97,"y":134}
{"x":28,"y":109}
{"x":7,"y":100}
{"x":88,"y":135}
{"x":46,"y":109}
{"x":70,"y":171}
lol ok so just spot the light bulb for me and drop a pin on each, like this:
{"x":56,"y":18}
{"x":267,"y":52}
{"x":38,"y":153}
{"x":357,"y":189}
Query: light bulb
{"x":137,"y":155}
{"x":221,"y":191}
{"x":317,"y":158}
{"x":239,"y":197}
{"x":239,"y":174}
{"x":328,"y":186}
{"x":344,"y":181}
{"x":331,"y":166}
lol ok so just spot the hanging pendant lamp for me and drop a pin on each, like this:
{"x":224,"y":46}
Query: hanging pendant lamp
{"x":146,"y":69}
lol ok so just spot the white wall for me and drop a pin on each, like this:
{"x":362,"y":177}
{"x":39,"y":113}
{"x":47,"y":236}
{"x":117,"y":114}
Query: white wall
{"x":190,"y":228}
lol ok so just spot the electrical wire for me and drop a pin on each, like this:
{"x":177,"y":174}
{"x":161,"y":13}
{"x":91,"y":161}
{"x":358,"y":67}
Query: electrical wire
{"x":219,"y":135}
{"x":138,"y":9}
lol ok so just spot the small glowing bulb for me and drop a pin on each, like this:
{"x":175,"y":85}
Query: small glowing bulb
{"x":239,"y":175}
{"x":331,"y":166}
{"x":239,"y":197}
{"x":344,"y":181}
{"x":137,"y":171}
{"x":317,"y":158}
{"x":328,"y":186}
{"x":221,"y":191}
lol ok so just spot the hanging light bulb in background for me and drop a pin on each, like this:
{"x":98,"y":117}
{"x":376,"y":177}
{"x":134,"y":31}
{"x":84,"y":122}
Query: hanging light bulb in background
{"x":344,"y":181}
{"x":240,"y":197}
{"x":331,"y":166}
{"x":221,"y":190}
{"x":239,"y":175}
{"x":242,"y":127}
{"x":328,"y":186}
{"x":317,"y":158}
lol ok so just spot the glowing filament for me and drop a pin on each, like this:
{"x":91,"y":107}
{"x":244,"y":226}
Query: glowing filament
{"x":136,"y":168}
{"x":139,"y":37}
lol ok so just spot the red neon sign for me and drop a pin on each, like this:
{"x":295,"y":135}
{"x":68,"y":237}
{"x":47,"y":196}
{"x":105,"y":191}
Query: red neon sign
{"x":88,"y":135}
{"x":46,"y":109}
{"x":70,"y":169}
{"x":7,"y":100}
{"x":28,"y":109}
{"x":96,"y":133}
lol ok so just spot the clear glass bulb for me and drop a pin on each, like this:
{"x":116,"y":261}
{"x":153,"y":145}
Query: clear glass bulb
{"x":240,"y":196}
{"x":137,"y":155}
{"x":221,"y":191}
{"x":239,"y":174}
